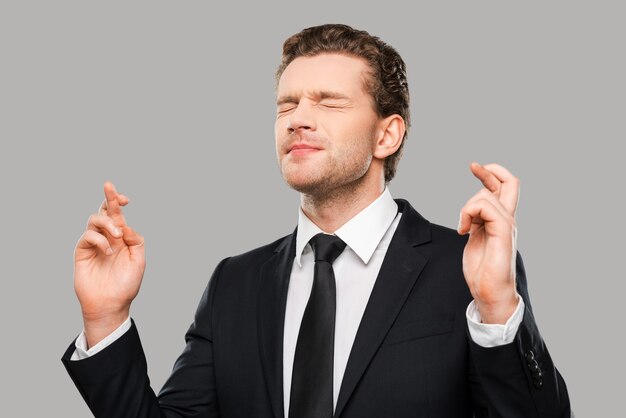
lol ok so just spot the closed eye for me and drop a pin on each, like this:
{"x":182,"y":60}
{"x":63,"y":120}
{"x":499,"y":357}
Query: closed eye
{"x":285,"y":109}
{"x":334,"y":103}
{"x":333,"y":106}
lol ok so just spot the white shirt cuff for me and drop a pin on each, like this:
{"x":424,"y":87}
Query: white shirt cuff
{"x":494,"y":335}
{"x":82,"y":352}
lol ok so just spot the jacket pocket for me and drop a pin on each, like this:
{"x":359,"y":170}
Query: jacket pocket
{"x":422,"y":327}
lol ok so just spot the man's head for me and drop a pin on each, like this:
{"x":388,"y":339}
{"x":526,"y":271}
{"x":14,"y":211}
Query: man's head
{"x":344,"y":92}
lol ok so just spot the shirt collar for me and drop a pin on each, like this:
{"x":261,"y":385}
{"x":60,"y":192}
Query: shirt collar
{"x":362,"y":233}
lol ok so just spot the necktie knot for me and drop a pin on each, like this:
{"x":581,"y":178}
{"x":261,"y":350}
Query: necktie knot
{"x":327,"y":247}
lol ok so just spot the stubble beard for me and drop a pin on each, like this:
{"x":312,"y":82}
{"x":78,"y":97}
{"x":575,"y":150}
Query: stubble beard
{"x":333,"y":180}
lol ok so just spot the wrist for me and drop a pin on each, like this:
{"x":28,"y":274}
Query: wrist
{"x":499,"y":312}
{"x":97,"y":327}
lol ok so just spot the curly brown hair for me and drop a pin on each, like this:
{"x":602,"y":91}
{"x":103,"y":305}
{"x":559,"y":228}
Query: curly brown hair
{"x":387,"y":83}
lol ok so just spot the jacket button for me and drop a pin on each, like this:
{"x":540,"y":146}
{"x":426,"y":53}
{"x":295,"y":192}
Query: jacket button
{"x":538,"y":382}
{"x":530,"y":356}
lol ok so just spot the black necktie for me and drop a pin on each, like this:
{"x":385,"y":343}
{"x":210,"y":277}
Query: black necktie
{"x":312,"y":378}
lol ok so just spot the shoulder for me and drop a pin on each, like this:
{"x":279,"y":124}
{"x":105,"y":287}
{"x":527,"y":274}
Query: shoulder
{"x":447,"y":235}
{"x":430,"y":237}
{"x":446,"y":245}
{"x":238,"y":277}
{"x":257,"y":256}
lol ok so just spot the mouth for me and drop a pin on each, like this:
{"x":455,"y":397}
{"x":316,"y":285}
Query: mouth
{"x":302,"y":149}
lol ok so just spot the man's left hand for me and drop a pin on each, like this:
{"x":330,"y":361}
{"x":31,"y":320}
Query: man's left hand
{"x":490,"y":252}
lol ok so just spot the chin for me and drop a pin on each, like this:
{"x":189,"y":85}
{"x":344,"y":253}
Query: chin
{"x":302,"y":175}
{"x":302,"y":184}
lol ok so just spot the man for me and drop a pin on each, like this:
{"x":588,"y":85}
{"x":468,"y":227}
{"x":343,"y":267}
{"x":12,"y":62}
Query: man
{"x":365,"y":310}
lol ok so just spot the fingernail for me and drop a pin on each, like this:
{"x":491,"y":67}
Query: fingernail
{"x":117,"y":232}
{"x":109,"y":251}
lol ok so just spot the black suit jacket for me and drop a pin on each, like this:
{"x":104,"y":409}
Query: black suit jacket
{"x":412,"y":355}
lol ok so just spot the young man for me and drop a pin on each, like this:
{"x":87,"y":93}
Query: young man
{"x":365,"y":310}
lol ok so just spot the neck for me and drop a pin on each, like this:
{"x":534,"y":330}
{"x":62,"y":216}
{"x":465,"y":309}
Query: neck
{"x":336,"y":207}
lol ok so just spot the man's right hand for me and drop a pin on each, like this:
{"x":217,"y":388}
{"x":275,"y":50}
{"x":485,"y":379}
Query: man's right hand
{"x":109,"y":262}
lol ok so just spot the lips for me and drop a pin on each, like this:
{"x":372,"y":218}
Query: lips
{"x":302,"y":147}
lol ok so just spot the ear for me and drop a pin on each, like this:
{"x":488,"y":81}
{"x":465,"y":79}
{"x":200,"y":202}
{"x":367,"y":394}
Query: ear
{"x":390,"y":135}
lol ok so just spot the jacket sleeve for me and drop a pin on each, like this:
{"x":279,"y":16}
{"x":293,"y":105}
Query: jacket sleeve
{"x":518,"y":379}
{"x":115,"y":383}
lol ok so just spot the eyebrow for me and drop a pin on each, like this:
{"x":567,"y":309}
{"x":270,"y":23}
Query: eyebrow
{"x":321,"y":95}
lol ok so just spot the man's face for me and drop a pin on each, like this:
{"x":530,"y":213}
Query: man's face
{"x":325,"y":123}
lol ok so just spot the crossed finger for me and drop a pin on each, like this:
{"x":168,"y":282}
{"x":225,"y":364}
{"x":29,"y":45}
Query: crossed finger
{"x":500,"y":182}
{"x":122,"y":199}
{"x":112,"y":203}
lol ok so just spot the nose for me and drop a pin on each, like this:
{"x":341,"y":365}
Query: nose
{"x":302,"y":117}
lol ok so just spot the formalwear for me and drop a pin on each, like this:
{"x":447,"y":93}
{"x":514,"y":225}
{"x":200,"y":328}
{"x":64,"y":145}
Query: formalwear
{"x":411,"y":356}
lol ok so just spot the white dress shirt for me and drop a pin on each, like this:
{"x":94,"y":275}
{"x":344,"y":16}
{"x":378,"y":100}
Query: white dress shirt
{"x":367,"y":236}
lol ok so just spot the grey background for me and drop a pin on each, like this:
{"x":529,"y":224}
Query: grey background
{"x":173,"y":102}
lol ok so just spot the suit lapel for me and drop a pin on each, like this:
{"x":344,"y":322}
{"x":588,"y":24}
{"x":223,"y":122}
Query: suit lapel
{"x":399,"y":272}
{"x":272,"y":299}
